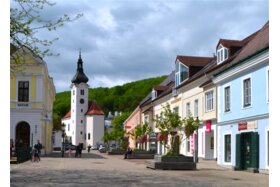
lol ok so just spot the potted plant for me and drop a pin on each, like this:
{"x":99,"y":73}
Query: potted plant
{"x":169,"y":123}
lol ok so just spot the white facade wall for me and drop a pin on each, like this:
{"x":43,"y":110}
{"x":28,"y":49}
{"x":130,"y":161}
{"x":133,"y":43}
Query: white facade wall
{"x":95,"y":126}
{"x":78,"y":111}
{"x":57,"y":139}
{"x":34,"y":121}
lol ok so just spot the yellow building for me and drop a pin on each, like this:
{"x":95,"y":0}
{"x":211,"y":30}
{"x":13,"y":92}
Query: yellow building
{"x":32,"y":94}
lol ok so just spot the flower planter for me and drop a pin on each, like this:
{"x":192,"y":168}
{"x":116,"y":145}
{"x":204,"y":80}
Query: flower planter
{"x":141,"y":154}
{"x":116,"y":152}
{"x":171,"y":163}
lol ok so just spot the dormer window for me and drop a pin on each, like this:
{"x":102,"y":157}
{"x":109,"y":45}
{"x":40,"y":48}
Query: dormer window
{"x":182,"y":73}
{"x":222,"y":54}
{"x":154,"y":94}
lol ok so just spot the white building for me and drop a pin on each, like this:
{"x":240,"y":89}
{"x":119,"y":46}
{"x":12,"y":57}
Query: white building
{"x":85,"y":121}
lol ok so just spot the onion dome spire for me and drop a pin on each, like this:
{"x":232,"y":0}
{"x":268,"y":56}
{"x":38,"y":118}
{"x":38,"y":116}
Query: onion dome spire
{"x":80,"y":76}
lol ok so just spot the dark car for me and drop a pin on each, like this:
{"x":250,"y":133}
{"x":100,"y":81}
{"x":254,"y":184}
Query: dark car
{"x":70,"y":146}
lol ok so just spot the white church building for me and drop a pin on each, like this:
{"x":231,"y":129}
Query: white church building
{"x":84,"y":123}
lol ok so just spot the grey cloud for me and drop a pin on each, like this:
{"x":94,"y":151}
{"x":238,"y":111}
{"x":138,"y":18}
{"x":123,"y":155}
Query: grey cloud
{"x":146,"y":37}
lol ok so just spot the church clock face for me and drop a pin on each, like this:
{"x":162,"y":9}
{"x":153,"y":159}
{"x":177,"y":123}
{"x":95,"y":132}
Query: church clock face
{"x":82,"y":101}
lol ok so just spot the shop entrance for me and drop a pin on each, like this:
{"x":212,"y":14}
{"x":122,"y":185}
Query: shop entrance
{"x":247,"y":151}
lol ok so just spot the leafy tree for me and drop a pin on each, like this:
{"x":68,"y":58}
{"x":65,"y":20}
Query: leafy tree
{"x":191,"y":126}
{"x":118,"y":133}
{"x":26,"y":21}
{"x":169,"y":123}
{"x":138,"y":131}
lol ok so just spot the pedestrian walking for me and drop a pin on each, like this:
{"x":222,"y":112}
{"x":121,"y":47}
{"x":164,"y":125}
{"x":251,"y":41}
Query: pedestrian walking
{"x":89,"y":148}
{"x":77,"y":151}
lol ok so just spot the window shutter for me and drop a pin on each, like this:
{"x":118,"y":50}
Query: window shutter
{"x":238,"y":155}
{"x":255,"y":150}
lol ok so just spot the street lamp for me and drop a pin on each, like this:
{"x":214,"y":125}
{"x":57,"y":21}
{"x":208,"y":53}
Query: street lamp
{"x":63,"y":136}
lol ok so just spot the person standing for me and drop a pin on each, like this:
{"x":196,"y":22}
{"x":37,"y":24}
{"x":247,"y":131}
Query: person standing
{"x":38,"y":148}
{"x":89,"y":148}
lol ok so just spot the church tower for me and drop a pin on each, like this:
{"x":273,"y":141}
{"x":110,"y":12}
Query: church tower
{"x":79,"y":104}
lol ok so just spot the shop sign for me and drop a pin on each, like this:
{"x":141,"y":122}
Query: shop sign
{"x":242,"y":126}
{"x":208,"y":126}
{"x":127,"y":127}
{"x":192,"y":142}
{"x":252,"y":125}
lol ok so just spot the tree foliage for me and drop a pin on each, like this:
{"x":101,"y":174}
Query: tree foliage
{"x":26,"y":21}
{"x":191,"y":126}
{"x":169,"y":123}
{"x":143,"y":129}
{"x":118,"y":132}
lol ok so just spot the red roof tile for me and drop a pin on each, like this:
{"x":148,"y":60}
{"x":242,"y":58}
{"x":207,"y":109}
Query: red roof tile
{"x":94,"y":109}
{"x":160,"y":88}
{"x":194,"y":60}
{"x":67,"y":115}
{"x":259,"y":42}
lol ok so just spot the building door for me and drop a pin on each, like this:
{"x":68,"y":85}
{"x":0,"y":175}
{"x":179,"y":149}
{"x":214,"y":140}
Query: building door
{"x":23,"y":134}
{"x":247,"y":151}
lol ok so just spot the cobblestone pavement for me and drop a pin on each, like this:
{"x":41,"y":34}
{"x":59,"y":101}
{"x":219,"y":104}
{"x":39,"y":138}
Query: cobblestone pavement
{"x":95,"y":169}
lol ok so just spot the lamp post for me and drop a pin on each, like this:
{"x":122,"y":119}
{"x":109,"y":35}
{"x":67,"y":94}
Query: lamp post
{"x":63,"y":136}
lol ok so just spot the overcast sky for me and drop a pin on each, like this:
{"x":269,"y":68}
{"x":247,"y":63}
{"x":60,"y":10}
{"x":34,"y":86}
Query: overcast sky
{"x":128,"y":40}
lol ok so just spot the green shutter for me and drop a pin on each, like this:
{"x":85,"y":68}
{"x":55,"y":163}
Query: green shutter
{"x":238,"y":156}
{"x":255,"y":150}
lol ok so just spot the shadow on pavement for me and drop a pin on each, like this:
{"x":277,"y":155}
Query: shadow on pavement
{"x":66,"y":155}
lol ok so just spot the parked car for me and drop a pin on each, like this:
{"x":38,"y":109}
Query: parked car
{"x":94,"y":147}
{"x":103,"y":150}
{"x":70,"y":146}
{"x":101,"y":146}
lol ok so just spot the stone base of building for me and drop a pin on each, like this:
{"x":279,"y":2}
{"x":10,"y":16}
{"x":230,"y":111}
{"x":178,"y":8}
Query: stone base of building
{"x":171,"y":163}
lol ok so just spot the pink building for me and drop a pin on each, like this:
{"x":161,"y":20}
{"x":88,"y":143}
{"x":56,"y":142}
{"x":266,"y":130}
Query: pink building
{"x":130,"y":123}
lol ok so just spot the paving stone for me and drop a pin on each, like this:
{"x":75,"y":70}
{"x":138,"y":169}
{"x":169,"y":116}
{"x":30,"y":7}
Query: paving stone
{"x":96,"y":169}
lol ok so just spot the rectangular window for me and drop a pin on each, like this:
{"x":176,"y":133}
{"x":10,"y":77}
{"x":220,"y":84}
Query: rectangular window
{"x":188,"y":110}
{"x":247,"y":92}
{"x":82,"y":92}
{"x":23,"y":91}
{"x":68,"y":127}
{"x":196,"y":108}
{"x":209,"y":99}
{"x":88,"y":136}
{"x":227,"y":99}
{"x":226,"y":54}
{"x":176,"y":110}
{"x":228,"y":148}
{"x":73,"y":92}
{"x":177,"y":79}
{"x":81,"y":121}
{"x":212,"y":142}
{"x":267,"y":148}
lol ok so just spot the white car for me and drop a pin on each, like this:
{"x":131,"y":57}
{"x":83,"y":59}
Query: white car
{"x":100,"y":147}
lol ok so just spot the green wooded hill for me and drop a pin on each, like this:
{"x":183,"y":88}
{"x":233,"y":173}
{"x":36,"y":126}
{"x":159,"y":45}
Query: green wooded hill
{"x":123,"y":98}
